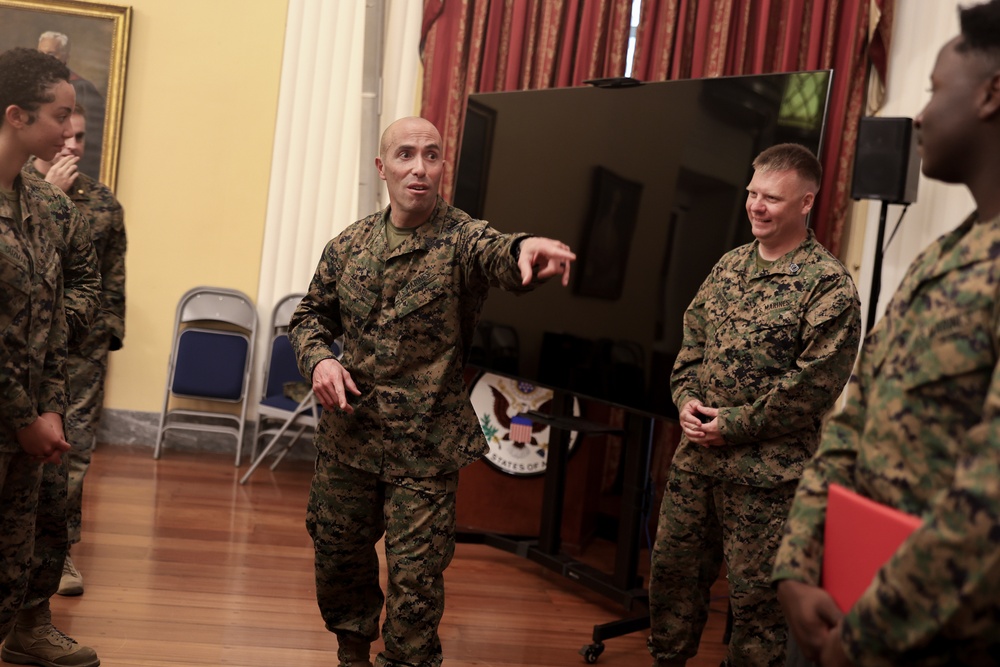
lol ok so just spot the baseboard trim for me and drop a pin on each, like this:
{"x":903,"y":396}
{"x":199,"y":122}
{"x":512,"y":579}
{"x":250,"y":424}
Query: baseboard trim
{"x":133,"y":427}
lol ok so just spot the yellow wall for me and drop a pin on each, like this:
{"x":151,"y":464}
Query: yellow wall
{"x":200,"y":107}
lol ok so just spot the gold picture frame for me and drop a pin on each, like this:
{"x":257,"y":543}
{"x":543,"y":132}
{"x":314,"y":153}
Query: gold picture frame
{"x":98,"y":36}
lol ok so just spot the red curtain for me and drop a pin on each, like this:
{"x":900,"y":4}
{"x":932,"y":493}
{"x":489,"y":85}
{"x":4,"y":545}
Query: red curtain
{"x":471,"y":46}
{"x":679,"y":39}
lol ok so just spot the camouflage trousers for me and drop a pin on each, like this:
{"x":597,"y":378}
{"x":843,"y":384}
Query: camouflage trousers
{"x":704,"y":521}
{"x":349,"y":511}
{"x":51,"y":538}
{"x":87,"y":369}
{"x":20,"y":476}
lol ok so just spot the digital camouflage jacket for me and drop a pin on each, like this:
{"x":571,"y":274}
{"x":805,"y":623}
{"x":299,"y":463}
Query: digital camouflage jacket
{"x":81,"y":276}
{"x":32,"y":314}
{"x":107,"y":228}
{"x":407,"y":318}
{"x":921,"y":432}
{"x":772,"y":349}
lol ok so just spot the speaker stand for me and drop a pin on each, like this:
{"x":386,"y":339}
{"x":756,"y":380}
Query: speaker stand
{"x":877,"y":268}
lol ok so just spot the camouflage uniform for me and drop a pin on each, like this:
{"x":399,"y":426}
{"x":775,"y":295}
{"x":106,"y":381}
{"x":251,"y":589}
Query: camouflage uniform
{"x":407,"y":317}
{"x":88,"y":360}
{"x":772,"y":349}
{"x":81,"y":281}
{"x":33,"y":331}
{"x":74,"y":243}
{"x":921,"y":432}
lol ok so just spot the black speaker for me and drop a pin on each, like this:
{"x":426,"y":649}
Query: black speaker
{"x":886,"y":162}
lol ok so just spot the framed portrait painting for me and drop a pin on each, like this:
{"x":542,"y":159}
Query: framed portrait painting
{"x":92,"y":39}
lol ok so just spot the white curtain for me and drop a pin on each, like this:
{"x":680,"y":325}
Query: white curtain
{"x":313,"y":193}
{"x":920,"y":30}
{"x":313,"y":187}
{"x":314,"y":173}
{"x":401,"y":66}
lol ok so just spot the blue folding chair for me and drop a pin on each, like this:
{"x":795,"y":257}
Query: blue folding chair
{"x":277,"y":414}
{"x":305,"y":415}
{"x":280,"y":369}
{"x":210,"y":364}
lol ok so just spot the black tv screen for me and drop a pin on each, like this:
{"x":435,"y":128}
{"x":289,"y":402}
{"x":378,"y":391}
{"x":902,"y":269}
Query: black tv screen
{"x":647,"y":183}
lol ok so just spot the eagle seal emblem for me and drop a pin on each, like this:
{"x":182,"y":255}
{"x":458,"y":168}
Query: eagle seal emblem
{"x":518,"y":446}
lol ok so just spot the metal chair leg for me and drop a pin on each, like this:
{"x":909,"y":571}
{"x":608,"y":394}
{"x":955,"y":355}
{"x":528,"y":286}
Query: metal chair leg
{"x":308,"y":403}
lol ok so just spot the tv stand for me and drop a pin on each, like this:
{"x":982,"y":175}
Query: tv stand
{"x":623,"y":585}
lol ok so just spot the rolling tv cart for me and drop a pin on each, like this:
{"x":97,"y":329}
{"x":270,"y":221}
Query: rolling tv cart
{"x":637,"y":498}
{"x":623,"y":585}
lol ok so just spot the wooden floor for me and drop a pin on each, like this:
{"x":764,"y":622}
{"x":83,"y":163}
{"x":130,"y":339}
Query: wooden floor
{"x":183,"y":566}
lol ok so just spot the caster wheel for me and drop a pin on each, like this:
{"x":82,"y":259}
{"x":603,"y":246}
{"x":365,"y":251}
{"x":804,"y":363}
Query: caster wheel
{"x":591,"y":653}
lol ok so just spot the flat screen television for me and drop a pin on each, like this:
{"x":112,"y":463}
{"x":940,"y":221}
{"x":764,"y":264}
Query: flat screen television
{"x":647,"y":183}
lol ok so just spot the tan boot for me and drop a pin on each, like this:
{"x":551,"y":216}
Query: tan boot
{"x":71,"y":582}
{"x":35,"y":641}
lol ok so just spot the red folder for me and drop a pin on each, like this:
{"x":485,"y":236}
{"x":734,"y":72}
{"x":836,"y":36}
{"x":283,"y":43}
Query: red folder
{"x":861,"y":535}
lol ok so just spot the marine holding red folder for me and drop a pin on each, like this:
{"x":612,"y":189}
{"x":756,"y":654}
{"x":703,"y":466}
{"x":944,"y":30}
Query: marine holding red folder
{"x":920,"y":431}
{"x":859,"y":537}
